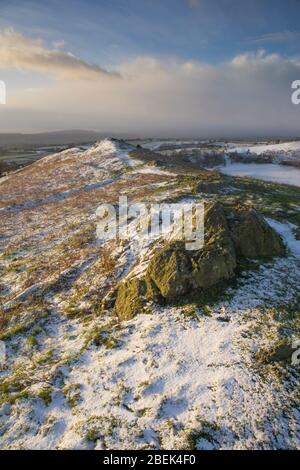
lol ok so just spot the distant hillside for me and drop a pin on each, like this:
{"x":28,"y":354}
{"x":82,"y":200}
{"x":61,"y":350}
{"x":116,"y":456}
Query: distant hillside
{"x":14,"y":140}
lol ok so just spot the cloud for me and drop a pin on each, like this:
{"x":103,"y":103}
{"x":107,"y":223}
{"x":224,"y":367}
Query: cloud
{"x":279,"y":37}
{"x":250,"y":95}
{"x":20,"y":52}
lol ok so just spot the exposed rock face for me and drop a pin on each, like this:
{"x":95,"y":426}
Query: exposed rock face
{"x":174,"y":271}
{"x":130,"y":298}
{"x":253,"y":237}
{"x":132,"y":295}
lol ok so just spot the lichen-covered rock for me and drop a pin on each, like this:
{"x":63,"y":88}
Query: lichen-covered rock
{"x":130,"y":298}
{"x":170,"y":270}
{"x":174,"y":271}
{"x":132,"y":295}
{"x":216,"y":261}
{"x":253,"y":237}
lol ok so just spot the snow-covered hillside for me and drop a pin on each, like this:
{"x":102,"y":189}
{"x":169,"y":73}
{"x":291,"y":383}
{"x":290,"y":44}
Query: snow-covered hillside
{"x":205,"y":375}
{"x":282,"y":149}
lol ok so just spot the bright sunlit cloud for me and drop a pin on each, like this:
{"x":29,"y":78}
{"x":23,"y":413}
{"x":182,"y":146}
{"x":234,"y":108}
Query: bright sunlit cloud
{"x":248,"y":93}
{"x":20,"y":52}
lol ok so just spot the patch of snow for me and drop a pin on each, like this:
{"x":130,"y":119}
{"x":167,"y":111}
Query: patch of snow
{"x":286,"y":231}
{"x":154,"y":171}
{"x":285,"y":147}
{"x":264,"y":171}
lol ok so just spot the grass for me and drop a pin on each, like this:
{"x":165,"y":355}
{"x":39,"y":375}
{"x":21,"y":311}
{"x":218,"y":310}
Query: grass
{"x":32,"y":341}
{"x":15,"y":330}
{"x":46,"y":395}
{"x":207,"y":431}
{"x":72,"y":394}
{"x":44,"y":357}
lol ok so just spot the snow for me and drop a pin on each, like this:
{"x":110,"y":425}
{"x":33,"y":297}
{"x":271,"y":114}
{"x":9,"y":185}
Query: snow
{"x":286,"y":231}
{"x":166,"y":377}
{"x":264,"y":171}
{"x":154,"y":171}
{"x":282,"y":148}
{"x":175,"y":372}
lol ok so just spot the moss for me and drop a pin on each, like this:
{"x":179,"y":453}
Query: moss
{"x":15,"y":330}
{"x":190,"y":312}
{"x":93,"y":434}
{"x":131,"y":296}
{"x":11,"y":399}
{"x":281,"y":351}
{"x":36,"y":330}
{"x":72,"y":394}
{"x":100,"y":335}
{"x":98,"y":426}
{"x":72,"y":310}
{"x":44,"y":357}
{"x":46,"y":395}
{"x":12,"y":390}
{"x":32,"y":342}
{"x":103,"y":338}
{"x":207,"y":431}
{"x":144,"y":411}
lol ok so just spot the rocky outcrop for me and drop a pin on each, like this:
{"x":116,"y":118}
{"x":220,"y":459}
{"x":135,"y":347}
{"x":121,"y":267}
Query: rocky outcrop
{"x":173,"y":271}
{"x":132,"y":295}
{"x":252,"y":236}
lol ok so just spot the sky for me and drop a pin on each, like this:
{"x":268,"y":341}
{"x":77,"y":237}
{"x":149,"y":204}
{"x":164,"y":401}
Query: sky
{"x":189,"y":68}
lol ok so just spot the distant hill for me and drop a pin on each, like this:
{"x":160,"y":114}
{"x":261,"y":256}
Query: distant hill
{"x":14,"y":140}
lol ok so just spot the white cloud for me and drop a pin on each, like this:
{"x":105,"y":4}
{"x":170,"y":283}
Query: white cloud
{"x":20,"y":52}
{"x":280,"y":36}
{"x":248,"y":95}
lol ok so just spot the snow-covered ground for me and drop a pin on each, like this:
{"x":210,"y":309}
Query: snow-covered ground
{"x":264,"y":171}
{"x":176,"y":377}
{"x":168,"y":378}
{"x":279,"y":149}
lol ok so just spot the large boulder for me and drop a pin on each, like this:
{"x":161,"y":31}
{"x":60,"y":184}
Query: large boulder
{"x":132,"y":295}
{"x":170,"y":269}
{"x":252,"y":236}
{"x":130,"y":298}
{"x":173,"y":271}
{"x":176,"y":271}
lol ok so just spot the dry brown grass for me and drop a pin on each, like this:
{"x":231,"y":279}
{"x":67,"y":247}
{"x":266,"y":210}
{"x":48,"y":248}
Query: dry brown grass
{"x":3,"y":318}
{"x":64,"y":256}
{"x":108,"y":262}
